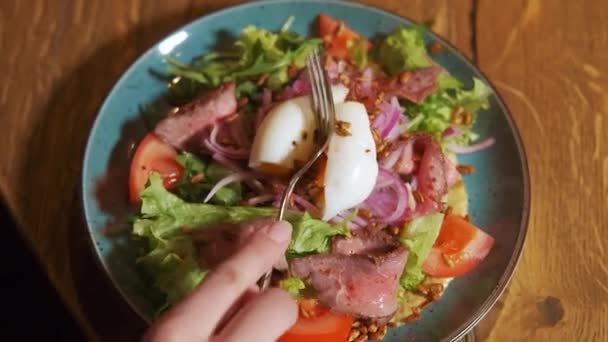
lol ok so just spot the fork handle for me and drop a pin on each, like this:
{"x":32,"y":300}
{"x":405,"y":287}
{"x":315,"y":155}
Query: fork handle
{"x":296,"y":177}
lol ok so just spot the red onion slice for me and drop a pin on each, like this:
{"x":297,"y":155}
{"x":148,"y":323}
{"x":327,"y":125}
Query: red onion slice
{"x":389,"y":201}
{"x":388,"y":117}
{"x":249,"y":179}
{"x":452,"y":132}
{"x":401,"y":127}
{"x":235,"y":177}
{"x":236,"y":131}
{"x":301,"y":86}
{"x":393,"y":157}
{"x":406,"y":163}
{"x":264,"y":107}
{"x":253,"y":201}
{"x":214,"y":146}
{"x":306,"y":205}
{"x":355,"y":222}
{"x":222,"y":160}
{"x":459,"y":149}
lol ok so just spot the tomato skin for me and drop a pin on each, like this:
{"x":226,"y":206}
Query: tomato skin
{"x":337,"y":36}
{"x":460,"y":248}
{"x":153,"y":155}
{"x":320,"y":325}
{"x":328,"y":25}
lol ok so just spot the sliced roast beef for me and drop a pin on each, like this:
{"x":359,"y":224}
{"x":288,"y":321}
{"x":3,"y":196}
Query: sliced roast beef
{"x":364,"y":286}
{"x":423,"y":160}
{"x":180,"y":128}
{"x":432,"y":183}
{"x":414,"y":85}
{"x":452,"y":176}
{"x":364,"y":242}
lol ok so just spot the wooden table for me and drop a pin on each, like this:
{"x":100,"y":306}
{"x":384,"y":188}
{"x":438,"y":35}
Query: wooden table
{"x":59,"y":59}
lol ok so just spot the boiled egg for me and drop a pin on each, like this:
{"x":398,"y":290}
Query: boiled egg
{"x":351,"y":170}
{"x":285,"y":135}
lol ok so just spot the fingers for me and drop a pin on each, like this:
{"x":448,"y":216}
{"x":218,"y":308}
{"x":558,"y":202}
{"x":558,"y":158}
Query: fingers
{"x":263,"y":319}
{"x":250,"y":294}
{"x":195,"y":318}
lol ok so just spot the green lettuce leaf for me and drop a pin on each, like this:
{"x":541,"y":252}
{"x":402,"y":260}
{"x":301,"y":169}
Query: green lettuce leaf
{"x":358,"y":52}
{"x":313,"y":236}
{"x":475,"y":99}
{"x":171,"y":260}
{"x":419,"y":236}
{"x":163,"y":215}
{"x":172,"y":263}
{"x":434,"y":115}
{"x":293,"y":286}
{"x":404,"y":49}
{"x":447,"y":81}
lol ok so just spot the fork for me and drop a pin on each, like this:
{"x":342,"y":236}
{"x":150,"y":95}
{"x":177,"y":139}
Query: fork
{"x":325,"y":117}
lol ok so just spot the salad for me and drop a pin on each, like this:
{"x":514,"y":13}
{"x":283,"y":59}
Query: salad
{"x":380,"y":223}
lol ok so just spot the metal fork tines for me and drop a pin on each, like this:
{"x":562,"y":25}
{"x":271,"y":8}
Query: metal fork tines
{"x":325,"y":114}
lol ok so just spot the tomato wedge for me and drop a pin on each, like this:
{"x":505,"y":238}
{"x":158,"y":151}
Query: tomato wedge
{"x":317,"y":323}
{"x":153,"y":155}
{"x":337,"y":36}
{"x":459,"y":248}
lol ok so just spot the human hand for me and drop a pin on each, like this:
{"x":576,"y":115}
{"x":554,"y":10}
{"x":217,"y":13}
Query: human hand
{"x":227,"y":306}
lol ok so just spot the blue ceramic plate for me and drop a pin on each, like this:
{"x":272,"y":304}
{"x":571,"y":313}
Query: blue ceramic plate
{"x":499,"y":191}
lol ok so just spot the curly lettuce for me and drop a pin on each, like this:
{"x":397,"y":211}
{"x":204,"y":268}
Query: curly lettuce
{"x":313,"y":236}
{"x":171,"y":258}
{"x":418,"y":236}
{"x":403,"y":50}
{"x":436,"y":113}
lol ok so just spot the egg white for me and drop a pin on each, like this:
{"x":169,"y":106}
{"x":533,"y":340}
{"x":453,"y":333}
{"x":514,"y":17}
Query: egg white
{"x":352,"y":168}
{"x":286,"y":134}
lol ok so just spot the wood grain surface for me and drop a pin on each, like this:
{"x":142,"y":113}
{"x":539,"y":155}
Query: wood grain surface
{"x":59,"y":59}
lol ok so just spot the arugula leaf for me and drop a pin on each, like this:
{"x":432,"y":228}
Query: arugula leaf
{"x":186,"y":189}
{"x":255,"y":53}
{"x":246,"y":88}
{"x":191,"y":164}
{"x":404,"y":49}
{"x":419,"y":236}
{"x":197,"y":191}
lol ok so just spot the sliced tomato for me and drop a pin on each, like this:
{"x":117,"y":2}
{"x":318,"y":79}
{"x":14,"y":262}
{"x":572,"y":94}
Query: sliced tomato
{"x":317,"y":323}
{"x":328,"y":25}
{"x":153,"y":155}
{"x":459,"y":248}
{"x":337,"y":36}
